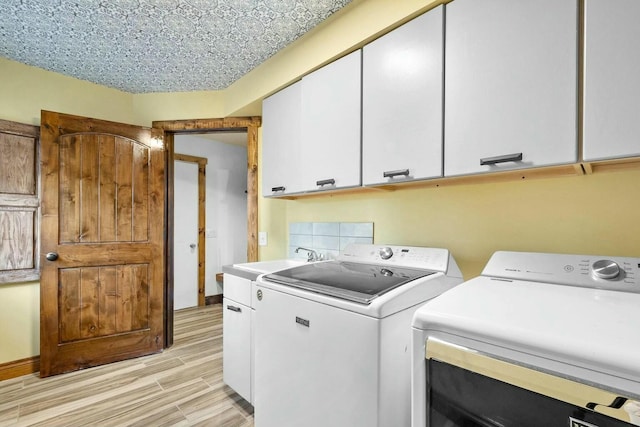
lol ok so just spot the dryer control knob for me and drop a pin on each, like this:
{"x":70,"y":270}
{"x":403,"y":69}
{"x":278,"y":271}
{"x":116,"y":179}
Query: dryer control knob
{"x":386,"y":253}
{"x":605,"y":269}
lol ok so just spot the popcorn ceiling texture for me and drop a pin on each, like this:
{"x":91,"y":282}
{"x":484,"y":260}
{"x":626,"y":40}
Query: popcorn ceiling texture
{"x":146,"y":46}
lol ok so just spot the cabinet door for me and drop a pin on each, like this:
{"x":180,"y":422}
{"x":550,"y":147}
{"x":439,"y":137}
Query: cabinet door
{"x":611,"y":83}
{"x":236,"y":347}
{"x":281,"y":142}
{"x":510,"y":84}
{"x":402,"y":102}
{"x":331,"y":98}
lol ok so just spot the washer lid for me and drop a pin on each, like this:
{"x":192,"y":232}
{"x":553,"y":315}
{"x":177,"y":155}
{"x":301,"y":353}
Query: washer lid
{"x":357,"y":282}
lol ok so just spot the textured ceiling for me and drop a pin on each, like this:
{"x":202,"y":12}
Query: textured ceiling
{"x":143,"y":46}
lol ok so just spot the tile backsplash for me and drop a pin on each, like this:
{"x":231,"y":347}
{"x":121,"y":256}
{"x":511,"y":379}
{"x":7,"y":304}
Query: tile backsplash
{"x":327,"y":238}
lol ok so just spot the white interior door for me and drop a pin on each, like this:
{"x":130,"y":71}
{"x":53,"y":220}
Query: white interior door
{"x":185,"y":238}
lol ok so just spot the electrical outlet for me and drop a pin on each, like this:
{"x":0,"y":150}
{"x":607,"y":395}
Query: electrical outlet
{"x":262,"y":238}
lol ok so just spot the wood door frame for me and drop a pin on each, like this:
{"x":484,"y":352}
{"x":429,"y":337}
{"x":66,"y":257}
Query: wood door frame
{"x":202,"y":216}
{"x":196,"y":126}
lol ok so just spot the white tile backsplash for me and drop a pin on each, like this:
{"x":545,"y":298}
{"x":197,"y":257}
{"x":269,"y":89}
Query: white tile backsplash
{"x":327,"y":238}
{"x":326,"y":229}
{"x":305,"y":240}
{"x":326,"y":242}
{"x":356,"y":229}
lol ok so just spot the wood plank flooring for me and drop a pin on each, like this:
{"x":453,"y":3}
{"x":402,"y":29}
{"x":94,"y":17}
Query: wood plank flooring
{"x":180,"y":387}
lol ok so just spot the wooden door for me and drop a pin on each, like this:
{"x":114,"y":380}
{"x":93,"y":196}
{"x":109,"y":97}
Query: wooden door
{"x":103,"y":217}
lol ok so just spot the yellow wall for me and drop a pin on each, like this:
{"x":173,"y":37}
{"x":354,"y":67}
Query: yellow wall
{"x":178,"y":106}
{"x":594,"y":214}
{"x":26,"y":90}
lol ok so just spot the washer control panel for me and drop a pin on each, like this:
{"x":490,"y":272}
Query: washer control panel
{"x":603,"y":272}
{"x":436,"y":259}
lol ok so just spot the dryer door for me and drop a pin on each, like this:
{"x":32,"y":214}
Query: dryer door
{"x":466,"y":388}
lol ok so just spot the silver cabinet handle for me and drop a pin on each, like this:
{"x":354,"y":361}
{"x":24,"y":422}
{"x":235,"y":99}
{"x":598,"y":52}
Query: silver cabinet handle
{"x":324,"y":182}
{"x":501,"y":159}
{"x":234,"y":308}
{"x":393,"y":174}
{"x":276,"y":189}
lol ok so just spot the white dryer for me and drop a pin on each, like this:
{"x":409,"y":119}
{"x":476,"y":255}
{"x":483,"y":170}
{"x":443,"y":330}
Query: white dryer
{"x":536,"y":340}
{"x":332,"y":339}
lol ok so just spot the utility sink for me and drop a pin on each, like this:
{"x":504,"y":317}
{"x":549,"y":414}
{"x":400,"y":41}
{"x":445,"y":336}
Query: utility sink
{"x":269,"y":266}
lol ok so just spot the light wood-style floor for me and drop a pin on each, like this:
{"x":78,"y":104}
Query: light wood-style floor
{"x":180,"y":387}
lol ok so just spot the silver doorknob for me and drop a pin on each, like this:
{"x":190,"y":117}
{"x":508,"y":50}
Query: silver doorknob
{"x":192,"y":246}
{"x":51,"y":256}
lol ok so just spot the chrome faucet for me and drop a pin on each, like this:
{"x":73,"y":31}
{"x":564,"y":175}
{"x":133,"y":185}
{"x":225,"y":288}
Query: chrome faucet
{"x":311,"y":254}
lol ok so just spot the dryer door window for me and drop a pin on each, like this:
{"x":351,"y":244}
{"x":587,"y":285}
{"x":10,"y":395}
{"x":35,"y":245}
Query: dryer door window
{"x":461,"y":398}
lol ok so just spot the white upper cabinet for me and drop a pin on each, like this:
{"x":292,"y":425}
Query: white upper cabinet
{"x":611,"y":79}
{"x":510,"y":85}
{"x":281,"y":142}
{"x":331,"y":98}
{"x":402,"y":102}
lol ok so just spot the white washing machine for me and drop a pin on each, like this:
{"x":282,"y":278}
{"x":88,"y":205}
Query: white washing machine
{"x":536,"y":340}
{"x":332,"y":339}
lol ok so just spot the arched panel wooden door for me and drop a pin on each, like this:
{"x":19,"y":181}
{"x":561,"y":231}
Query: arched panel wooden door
{"x":102,"y":281}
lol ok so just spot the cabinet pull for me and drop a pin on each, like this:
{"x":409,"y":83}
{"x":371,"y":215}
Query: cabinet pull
{"x":276,"y":189}
{"x":324,"y":182}
{"x":393,"y":174}
{"x":234,"y":308}
{"x":501,"y":159}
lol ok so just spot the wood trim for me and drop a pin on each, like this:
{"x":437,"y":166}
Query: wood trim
{"x":202,"y":217}
{"x":201,"y":161}
{"x":19,"y":128}
{"x":611,"y":165}
{"x":200,"y":125}
{"x":168,"y":238}
{"x":248,"y":124}
{"x":252,"y":193}
{"x":503,"y":176}
{"x":18,"y":368}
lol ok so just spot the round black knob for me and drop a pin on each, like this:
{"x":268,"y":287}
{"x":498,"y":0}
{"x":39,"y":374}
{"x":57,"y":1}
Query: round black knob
{"x":51,"y":256}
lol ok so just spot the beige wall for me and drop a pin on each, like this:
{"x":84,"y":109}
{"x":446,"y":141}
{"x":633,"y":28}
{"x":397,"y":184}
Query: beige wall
{"x":594,"y":214}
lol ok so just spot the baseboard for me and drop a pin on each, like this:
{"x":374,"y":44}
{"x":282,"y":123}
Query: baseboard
{"x":18,"y":368}
{"x":213,"y":299}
